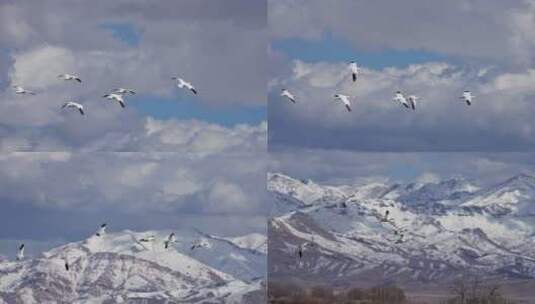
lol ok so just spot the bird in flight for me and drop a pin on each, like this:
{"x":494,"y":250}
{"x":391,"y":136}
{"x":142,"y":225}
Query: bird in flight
{"x":170,"y":239}
{"x":72,"y":104}
{"x":101,"y":230}
{"x":123,"y":91}
{"x":117,"y":97}
{"x":22,"y":91}
{"x":70,"y":77}
{"x":412,"y":101}
{"x":199,"y":244}
{"x":385,"y":217}
{"x":354,"y":70}
{"x":148,"y":239}
{"x":345,"y":100}
{"x":181,"y":83}
{"x":467,"y":97}
{"x":288,"y":95}
{"x":399,"y":97}
{"x":20,"y":253}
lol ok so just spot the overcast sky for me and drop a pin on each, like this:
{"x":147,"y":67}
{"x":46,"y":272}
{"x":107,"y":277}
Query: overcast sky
{"x":217,"y":45}
{"x":434,"y":49}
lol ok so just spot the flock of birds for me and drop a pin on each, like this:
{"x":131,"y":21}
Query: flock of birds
{"x":101,"y":232}
{"x":408,"y":101}
{"x":116,"y":95}
{"x":399,"y":232}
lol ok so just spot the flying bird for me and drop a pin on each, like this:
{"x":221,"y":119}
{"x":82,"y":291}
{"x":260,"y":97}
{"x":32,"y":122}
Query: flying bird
{"x":288,"y":95}
{"x":344,"y":99}
{"x":72,"y":104}
{"x":181,"y":83}
{"x":123,"y":91}
{"x":148,"y":239}
{"x":354,"y":70}
{"x":412,"y":101}
{"x":117,"y":97}
{"x":69,"y":77}
{"x":385,"y":217}
{"x":102,"y":230}
{"x":467,"y":97}
{"x":170,"y":239}
{"x":21,"y":90}
{"x":399,"y":97}
{"x":301,"y":248}
{"x":199,"y":244}
{"x":20,"y":253}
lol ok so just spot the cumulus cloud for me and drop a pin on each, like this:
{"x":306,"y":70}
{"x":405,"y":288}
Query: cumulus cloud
{"x":220,"y":47}
{"x":162,"y":188}
{"x":498,"y":120}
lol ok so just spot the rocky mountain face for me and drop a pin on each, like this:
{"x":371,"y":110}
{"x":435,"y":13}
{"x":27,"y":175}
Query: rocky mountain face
{"x":451,"y":230}
{"x":120,"y":268}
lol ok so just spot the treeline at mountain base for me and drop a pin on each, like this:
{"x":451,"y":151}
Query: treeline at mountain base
{"x":462,"y":292}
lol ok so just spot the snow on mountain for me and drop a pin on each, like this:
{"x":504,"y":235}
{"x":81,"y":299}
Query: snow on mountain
{"x":514,"y":196}
{"x":304,"y":192}
{"x":254,"y":241}
{"x":118,"y":267}
{"x":448,"y":190}
{"x":352,"y":242}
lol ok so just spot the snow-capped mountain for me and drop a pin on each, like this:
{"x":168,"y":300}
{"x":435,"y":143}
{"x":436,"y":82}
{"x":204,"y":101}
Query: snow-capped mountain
{"x":352,"y":241}
{"x":120,"y":268}
{"x":514,"y":196}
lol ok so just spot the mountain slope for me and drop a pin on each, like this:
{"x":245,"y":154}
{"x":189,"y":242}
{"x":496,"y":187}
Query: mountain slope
{"x":351,"y":244}
{"x":119,"y":268}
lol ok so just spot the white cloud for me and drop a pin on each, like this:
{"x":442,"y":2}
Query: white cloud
{"x":201,"y":42}
{"x":136,"y":182}
{"x":500,"y":117}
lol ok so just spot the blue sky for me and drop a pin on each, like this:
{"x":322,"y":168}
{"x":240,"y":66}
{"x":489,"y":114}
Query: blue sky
{"x":189,"y":108}
{"x":332,"y":49}
{"x":125,"y":32}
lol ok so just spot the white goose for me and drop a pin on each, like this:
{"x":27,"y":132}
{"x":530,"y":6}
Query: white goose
{"x":385,"y":218}
{"x":123,"y":91}
{"x":199,"y":244}
{"x":288,"y":95}
{"x":345,"y":100}
{"x":72,"y":104}
{"x":70,"y":77}
{"x":181,"y":83}
{"x":170,"y":239}
{"x":20,"y":253}
{"x":148,"y":239}
{"x":467,"y":97}
{"x":117,"y":97}
{"x":23,"y":91}
{"x":354,"y":70}
{"x":412,"y":99}
{"x":399,"y":97}
{"x":101,"y":230}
